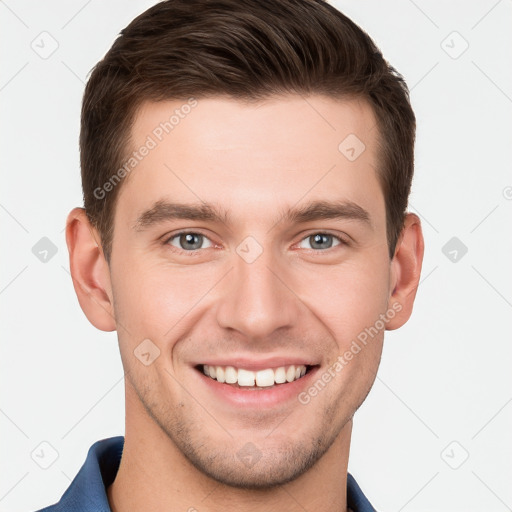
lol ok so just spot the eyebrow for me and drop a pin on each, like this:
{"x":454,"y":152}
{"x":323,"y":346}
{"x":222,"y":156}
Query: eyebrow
{"x":164,"y":210}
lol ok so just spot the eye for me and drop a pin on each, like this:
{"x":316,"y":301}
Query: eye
{"x":188,"y":241}
{"x":321,"y":241}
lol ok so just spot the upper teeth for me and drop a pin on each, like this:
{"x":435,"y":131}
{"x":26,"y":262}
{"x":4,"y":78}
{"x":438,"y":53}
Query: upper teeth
{"x":262,"y":378}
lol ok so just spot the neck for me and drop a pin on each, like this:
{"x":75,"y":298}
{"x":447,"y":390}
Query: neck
{"x":154,"y":475}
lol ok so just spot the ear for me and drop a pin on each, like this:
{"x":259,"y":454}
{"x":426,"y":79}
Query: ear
{"x":405,"y":271}
{"x":89,"y":271}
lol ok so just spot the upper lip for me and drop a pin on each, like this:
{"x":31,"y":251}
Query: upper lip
{"x":250,"y":363}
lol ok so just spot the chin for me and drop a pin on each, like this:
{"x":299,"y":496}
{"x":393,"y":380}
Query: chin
{"x":256,"y":471}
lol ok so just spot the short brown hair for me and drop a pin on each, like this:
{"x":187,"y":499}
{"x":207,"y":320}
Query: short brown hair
{"x":247,"y":50}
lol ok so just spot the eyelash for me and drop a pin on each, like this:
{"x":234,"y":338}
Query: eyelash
{"x":342,"y":242}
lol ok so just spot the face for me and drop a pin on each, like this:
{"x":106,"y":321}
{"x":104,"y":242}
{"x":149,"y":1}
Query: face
{"x":246,"y":240}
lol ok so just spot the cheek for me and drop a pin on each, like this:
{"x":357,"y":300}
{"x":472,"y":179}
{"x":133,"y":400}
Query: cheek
{"x":153,"y":299}
{"x":350,"y":298}
{"x":351,"y":308}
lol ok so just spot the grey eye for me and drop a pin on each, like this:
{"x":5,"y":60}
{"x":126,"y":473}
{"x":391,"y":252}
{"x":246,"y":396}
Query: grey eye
{"x":321,"y":241}
{"x":189,"y":241}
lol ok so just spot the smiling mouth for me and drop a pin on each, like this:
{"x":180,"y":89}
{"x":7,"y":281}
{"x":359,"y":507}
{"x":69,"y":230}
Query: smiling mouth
{"x":261,"y":379}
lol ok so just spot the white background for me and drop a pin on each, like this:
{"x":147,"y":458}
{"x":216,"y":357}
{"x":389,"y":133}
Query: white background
{"x":445,"y":376}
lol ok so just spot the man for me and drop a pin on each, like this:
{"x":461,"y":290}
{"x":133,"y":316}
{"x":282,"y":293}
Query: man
{"x":246,"y":168}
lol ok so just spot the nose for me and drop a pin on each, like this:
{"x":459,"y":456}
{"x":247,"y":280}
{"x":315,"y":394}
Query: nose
{"x":258,"y":298}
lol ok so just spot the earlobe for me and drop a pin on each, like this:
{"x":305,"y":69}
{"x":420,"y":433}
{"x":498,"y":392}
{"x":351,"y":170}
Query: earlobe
{"x":405,"y":271}
{"x":89,"y":271}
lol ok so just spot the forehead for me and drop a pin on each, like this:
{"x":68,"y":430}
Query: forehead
{"x":252,"y":155}
{"x":278,"y":122}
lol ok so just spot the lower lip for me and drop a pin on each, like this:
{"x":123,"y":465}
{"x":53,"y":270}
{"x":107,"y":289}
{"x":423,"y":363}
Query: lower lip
{"x":260,"y":397}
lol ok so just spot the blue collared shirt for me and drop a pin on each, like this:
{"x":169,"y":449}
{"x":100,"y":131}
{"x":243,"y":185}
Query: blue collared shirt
{"x":88,"y":491}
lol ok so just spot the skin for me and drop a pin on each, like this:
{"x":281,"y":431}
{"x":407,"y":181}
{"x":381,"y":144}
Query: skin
{"x":295,"y":299}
